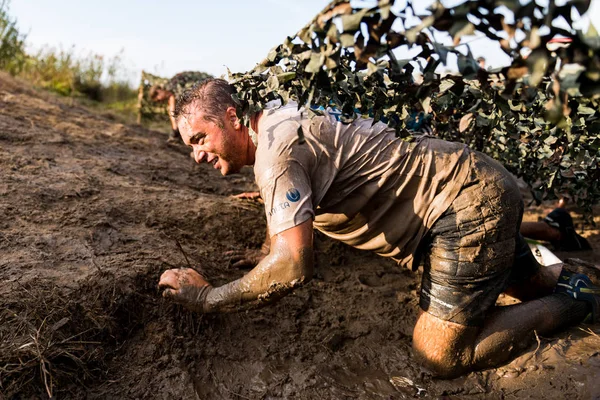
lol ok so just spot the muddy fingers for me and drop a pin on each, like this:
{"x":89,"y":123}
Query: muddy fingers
{"x":186,"y":287}
{"x":244,"y":258}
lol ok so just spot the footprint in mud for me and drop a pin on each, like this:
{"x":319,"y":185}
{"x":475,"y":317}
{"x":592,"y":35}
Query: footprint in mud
{"x":370,"y":280}
{"x":104,"y":236}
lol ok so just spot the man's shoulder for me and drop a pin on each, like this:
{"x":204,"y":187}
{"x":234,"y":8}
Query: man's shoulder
{"x":275,"y":111}
{"x":276,"y":144}
{"x":278,"y":124}
{"x":281,"y":143}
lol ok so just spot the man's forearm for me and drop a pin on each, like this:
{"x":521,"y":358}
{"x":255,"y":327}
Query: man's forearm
{"x":288,"y":265}
{"x":274,"y":277}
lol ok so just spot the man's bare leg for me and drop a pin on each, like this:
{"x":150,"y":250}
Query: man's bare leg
{"x":539,"y":285}
{"x":540,"y":231}
{"x":558,"y":229}
{"x":451,"y":349}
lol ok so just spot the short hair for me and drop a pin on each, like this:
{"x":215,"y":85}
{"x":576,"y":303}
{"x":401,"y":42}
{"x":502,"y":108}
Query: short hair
{"x":211,"y":96}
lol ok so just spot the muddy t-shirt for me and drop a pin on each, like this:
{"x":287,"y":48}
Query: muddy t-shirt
{"x":360,"y":183}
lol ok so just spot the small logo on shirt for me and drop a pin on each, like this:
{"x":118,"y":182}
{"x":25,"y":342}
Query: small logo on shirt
{"x":279,"y":207}
{"x":293,"y":195}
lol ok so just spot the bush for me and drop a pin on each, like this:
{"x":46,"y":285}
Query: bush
{"x":91,"y":76}
{"x":12,"y":43}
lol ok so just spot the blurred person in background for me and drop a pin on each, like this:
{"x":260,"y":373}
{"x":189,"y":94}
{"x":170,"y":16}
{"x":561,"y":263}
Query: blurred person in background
{"x":171,"y":91}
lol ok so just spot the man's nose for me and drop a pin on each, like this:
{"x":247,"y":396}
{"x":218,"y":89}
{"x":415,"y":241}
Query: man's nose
{"x":199,"y":155}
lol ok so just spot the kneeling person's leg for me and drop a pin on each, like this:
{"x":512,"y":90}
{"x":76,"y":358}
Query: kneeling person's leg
{"x":450,"y":349}
{"x":469,"y":263}
{"x":467,"y":266}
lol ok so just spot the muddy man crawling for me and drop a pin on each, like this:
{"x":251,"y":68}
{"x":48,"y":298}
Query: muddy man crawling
{"x":428,"y":201}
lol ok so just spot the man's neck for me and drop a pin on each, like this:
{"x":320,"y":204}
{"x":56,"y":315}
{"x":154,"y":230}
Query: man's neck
{"x":254,"y":121}
{"x":253,"y":137}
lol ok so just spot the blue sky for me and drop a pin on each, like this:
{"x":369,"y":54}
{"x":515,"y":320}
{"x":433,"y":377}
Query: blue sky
{"x":169,"y":37}
{"x":166,"y":37}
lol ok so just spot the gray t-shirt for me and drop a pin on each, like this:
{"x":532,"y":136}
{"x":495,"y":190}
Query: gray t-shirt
{"x":360,"y":183}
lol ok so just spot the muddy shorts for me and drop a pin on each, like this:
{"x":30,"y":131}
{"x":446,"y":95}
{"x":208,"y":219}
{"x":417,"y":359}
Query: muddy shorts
{"x":474,"y":250}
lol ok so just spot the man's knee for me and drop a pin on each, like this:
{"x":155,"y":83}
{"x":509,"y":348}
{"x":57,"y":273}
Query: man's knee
{"x":444,"y":347}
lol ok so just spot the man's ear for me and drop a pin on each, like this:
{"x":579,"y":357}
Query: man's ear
{"x":231,"y":116}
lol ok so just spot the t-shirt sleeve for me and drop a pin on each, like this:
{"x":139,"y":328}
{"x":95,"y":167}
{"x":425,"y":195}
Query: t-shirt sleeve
{"x":286,"y":191}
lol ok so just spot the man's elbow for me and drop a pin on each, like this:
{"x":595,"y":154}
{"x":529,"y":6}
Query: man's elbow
{"x":297,"y":275}
{"x":303,"y":266}
{"x":298,"y":271}
{"x":286,"y":268}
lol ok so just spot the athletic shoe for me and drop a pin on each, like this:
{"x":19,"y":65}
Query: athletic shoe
{"x":580,"y":287}
{"x":570,"y":240}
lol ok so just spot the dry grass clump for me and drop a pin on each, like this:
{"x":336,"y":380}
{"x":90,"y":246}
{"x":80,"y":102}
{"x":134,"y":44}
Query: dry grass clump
{"x":51,"y":336}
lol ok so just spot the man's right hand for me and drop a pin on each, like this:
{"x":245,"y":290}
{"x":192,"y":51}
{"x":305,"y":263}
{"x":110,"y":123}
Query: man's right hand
{"x":185,"y":286}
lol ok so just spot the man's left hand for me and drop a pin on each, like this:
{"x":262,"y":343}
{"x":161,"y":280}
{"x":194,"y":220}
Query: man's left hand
{"x":248,"y":258}
{"x":249,"y":196}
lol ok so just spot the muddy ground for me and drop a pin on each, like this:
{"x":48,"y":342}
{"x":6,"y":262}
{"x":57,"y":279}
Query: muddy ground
{"x":93,"y":210}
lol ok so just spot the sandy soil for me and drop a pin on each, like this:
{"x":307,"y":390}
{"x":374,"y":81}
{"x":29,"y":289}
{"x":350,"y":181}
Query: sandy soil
{"x":94,"y":210}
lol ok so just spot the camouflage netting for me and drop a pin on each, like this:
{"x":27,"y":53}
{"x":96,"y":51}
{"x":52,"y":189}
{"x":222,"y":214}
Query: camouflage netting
{"x":185,"y":80}
{"x":538,"y":116}
{"x":147,"y":109}
{"x":152,"y":111}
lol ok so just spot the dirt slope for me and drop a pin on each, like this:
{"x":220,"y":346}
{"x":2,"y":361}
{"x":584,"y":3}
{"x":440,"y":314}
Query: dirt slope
{"x":93,"y":211}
